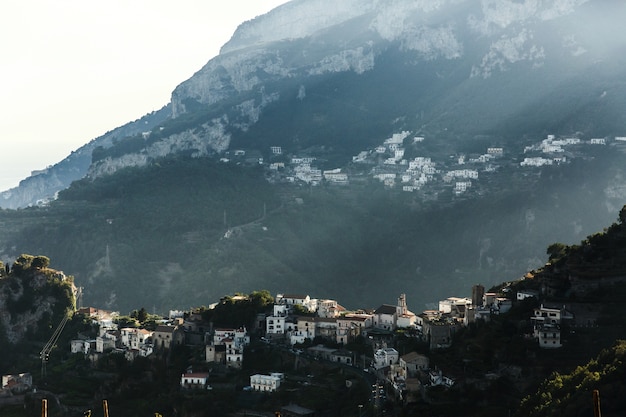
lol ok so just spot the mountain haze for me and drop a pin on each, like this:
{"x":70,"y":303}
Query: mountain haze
{"x":154,"y":215}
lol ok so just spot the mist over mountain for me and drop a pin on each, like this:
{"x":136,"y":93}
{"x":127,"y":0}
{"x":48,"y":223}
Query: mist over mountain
{"x":153,"y":216}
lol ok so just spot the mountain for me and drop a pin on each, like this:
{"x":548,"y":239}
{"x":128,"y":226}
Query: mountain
{"x":494,"y":68}
{"x":360,"y":92}
{"x":42,"y":186}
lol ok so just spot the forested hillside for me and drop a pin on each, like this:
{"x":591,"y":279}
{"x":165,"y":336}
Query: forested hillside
{"x":186,"y":230}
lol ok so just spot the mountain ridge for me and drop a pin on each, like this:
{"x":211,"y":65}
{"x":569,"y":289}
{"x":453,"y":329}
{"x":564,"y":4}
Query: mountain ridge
{"x":483,"y":42}
{"x":167,"y":189}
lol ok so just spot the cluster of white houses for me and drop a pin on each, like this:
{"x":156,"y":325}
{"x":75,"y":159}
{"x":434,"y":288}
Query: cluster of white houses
{"x":296,"y":319}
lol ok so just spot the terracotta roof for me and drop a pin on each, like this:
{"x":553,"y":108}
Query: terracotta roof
{"x":196,"y":375}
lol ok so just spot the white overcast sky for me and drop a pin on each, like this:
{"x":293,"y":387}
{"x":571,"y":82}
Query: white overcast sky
{"x":73,"y":69}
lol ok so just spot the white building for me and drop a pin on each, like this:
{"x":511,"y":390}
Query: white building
{"x":495,"y":151}
{"x":328,"y":308}
{"x":194,"y":380}
{"x":535,"y":162}
{"x":350,"y":326}
{"x":266,"y":383}
{"x":385,"y":357}
{"x":522,"y":295}
{"x":81,"y":346}
{"x":275,"y":324}
{"x":385,"y":317}
{"x":451,"y":304}
{"x":291,"y":300}
{"x":239,"y":337}
{"x":547,"y":327}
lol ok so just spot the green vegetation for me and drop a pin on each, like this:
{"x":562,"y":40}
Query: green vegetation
{"x":233,"y":312}
{"x":183,"y":231}
{"x":570,"y":394}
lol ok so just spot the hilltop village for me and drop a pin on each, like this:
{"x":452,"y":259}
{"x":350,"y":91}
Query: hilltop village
{"x":321,"y":331}
{"x":400,"y":162}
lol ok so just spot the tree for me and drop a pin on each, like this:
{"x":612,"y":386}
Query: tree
{"x":622,"y":215}
{"x":141,"y":315}
{"x":126,"y":321}
{"x":556,"y":251}
{"x":40,"y":262}
{"x":261,"y":298}
{"x":22,"y":263}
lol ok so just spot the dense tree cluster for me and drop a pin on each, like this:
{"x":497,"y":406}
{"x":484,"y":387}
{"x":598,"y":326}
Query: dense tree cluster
{"x":570,"y":394}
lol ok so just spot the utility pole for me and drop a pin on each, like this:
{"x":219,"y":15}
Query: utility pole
{"x":596,"y":404}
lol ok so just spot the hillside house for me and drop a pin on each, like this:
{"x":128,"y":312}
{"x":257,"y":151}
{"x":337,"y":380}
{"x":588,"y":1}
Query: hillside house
{"x":194,"y":380}
{"x":342,"y":356}
{"x":306,"y":326}
{"x":328,"y":308}
{"x":437,"y":377}
{"x":524,"y":294}
{"x":503,"y":305}
{"x":385,"y":357}
{"x":266,"y":383}
{"x":350,"y":326}
{"x":454,"y":305}
{"x":291,"y":300}
{"x":234,"y":355}
{"x":106,"y":342}
{"x":165,"y":336}
{"x":440,"y":331}
{"x":132,"y":354}
{"x":412,"y":363}
{"x":134,"y":338}
{"x":326,"y":328}
{"x":227,"y":346}
{"x":489,"y":299}
{"x":82,"y":346}
{"x":472,"y":314}
{"x":547,"y":326}
{"x":213,"y":353}
{"x":239,"y":337}
{"x":17,"y":383}
{"x":104,"y":318}
{"x":275,"y":324}
{"x":422,"y":319}
{"x":385,"y":317}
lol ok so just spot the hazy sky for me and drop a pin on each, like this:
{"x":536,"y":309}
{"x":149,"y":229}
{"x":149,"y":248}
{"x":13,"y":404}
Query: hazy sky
{"x":73,"y":69}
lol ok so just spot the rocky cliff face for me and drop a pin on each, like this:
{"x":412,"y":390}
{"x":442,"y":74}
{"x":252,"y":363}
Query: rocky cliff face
{"x":308,"y":39}
{"x":32,"y":302}
{"x":474,"y":51}
{"x":43,"y":185}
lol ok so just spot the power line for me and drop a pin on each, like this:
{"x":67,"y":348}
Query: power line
{"x":45,"y":352}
